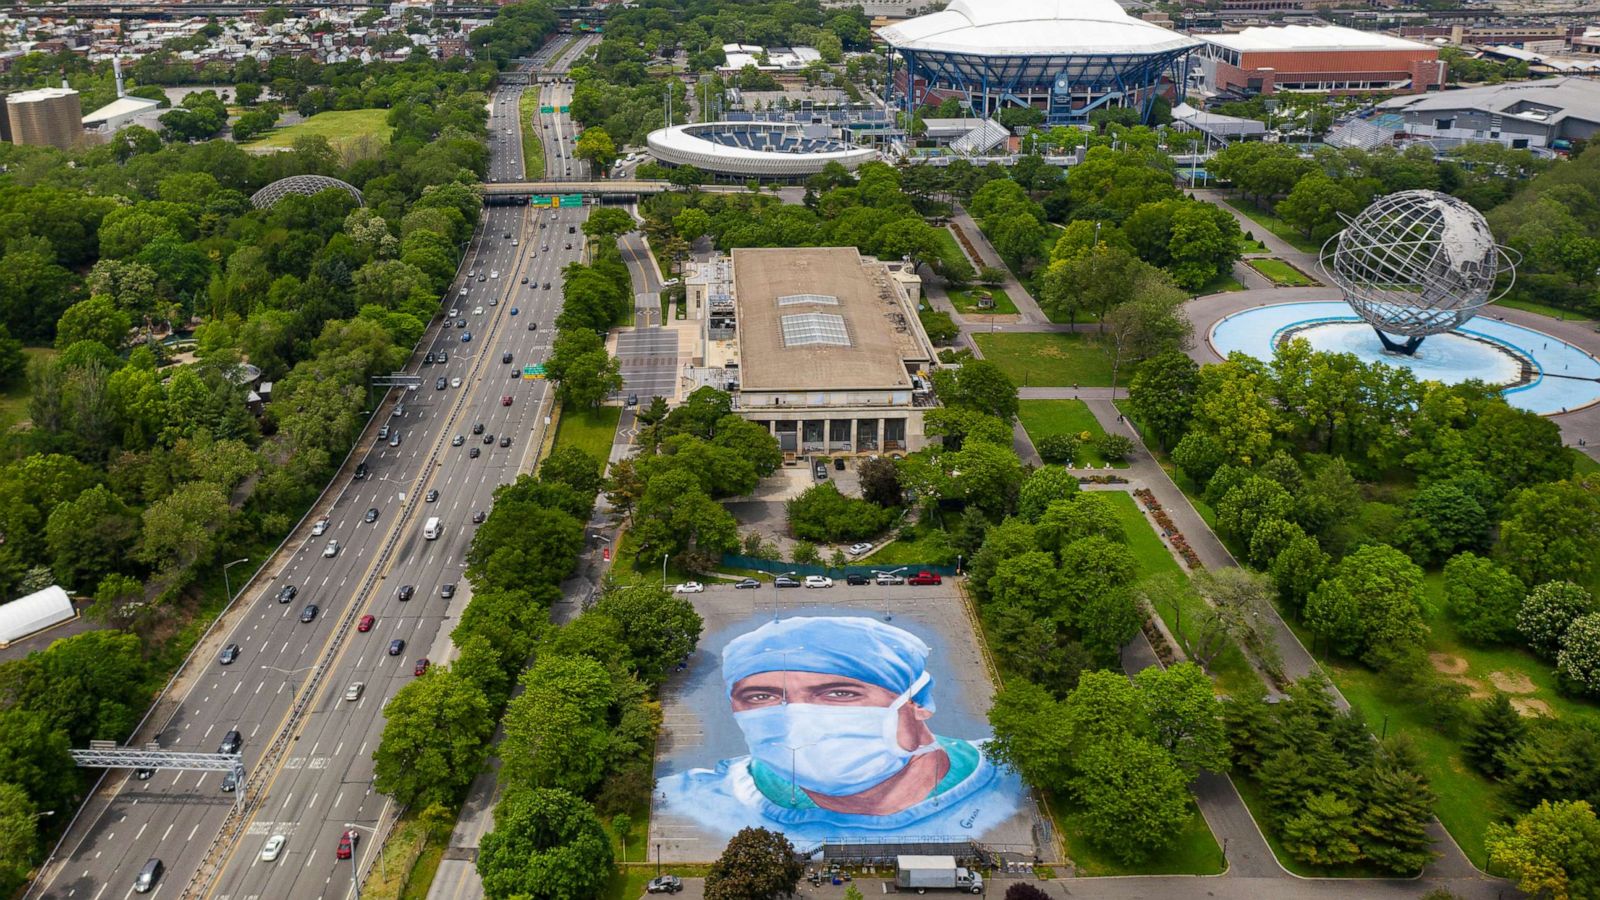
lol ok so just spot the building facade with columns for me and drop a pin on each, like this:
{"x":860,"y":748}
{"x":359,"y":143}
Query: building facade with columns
{"x":820,"y":345}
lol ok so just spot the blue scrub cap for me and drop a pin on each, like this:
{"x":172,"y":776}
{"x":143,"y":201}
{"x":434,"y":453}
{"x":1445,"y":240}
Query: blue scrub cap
{"x":853,"y":646}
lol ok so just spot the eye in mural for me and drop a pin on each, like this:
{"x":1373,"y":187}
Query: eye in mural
{"x":841,"y":738}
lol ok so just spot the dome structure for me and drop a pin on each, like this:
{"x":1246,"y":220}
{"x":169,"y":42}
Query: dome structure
{"x":776,"y":150}
{"x":1414,"y":264}
{"x":305,"y":185}
{"x":1011,"y":28}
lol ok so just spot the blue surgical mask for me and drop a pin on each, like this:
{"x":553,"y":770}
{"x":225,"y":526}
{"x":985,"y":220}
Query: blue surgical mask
{"x":832,"y":750}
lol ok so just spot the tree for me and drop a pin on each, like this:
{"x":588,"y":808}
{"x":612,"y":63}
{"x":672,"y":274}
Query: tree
{"x":19,"y":835}
{"x":659,"y":628}
{"x":185,"y":526}
{"x":1494,"y":731}
{"x":1185,"y":716}
{"x":1551,"y":531}
{"x":880,"y":482}
{"x":978,"y":385}
{"x":1578,"y":661}
{"x":1551,"y":851}
{"x":1483,"y":598}
{"x":1548,"y":611}
{"x":95,"y":319}
{"x":1250,"y":502}
{"x":1441,"y":519}
{"x":557,"y":732}
{"x":757,"y":864}
{"x":435,"y":736}
{"x":1371,"y":606}
{"x":1135,"y":799}
{"x":574,"y":468}
{"x":1161,"y":395}
{"x":1042,"y":488}
{"x":1324,"y":832}
{"x":607,"y":222}
{"x":823,"y":514}
{"x":597,"y":148}
{"x":546,"y":845}
{"x":1396,"y":810}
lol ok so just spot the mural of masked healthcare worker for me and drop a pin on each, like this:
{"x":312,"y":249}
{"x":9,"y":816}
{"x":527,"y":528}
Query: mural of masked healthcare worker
{"x":836,"y":713}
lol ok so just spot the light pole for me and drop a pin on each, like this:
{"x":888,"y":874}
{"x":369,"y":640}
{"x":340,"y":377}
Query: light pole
{"x":226,"y":584}
{"x":383,"y":868}
{"x":663,"y":571}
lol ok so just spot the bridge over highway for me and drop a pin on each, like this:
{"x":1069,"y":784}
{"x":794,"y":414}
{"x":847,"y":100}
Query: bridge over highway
{"x":621,"y":187}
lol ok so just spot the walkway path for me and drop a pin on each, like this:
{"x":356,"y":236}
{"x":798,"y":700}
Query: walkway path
{"x":1026,"y":305}
{"x":1276,"y":246}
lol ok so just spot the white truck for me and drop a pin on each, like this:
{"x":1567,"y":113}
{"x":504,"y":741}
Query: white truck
{"x":432,"y":529}
{"x":920,"y":873}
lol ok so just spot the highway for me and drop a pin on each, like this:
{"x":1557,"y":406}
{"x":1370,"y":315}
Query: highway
{"x":323,"y":779}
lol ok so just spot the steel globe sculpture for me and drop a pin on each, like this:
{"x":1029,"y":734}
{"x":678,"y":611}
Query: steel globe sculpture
{"x":1414,"y":264}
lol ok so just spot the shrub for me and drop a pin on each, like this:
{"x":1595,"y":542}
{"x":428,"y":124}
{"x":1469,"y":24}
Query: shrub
{"x":1115,"y":447}
{"x":1578,"y":663}
{"x":1548,"y":611}
{"x":1058,"y":449}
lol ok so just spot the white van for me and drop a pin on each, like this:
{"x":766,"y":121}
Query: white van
{"x":432,"y":529}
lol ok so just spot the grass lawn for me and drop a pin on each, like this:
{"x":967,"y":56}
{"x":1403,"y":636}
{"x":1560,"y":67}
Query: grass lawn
{"x":338,"y":126}
{"x":1222,"y":284}
{"x":590,"y":430}
{"x":1048,"y":360}
{"x":1554,"y":312}
{"x":14,"y":399}
{"x":1042,"y":418}
{"x":1194,"y":853}
{"x":967,"y":301}
{"x":532,"y":147}
{"x":916,"y":545}
{"x":1283,"y":230}
{"x":1583,"y":463}
{"x":1249,"y":245}
{"x":1280,"y":272}
{"x":628,"y":884}
{"x":949,"y":247}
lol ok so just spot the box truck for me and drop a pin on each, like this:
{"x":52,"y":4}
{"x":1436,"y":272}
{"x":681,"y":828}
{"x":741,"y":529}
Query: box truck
{"x":922,"y":873}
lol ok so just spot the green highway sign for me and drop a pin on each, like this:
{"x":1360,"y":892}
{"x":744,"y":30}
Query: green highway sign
{"x":533,"y":371}
{"x":547,"y":110}
{"x":570,"y":200}
{"x":566,"y":109}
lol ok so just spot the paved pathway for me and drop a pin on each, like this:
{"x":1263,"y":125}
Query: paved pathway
{"x":1026,"y":305}
{"x":1276,"y":246}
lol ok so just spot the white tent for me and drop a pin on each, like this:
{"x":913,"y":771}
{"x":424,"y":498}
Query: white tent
{"x":35,"y":612}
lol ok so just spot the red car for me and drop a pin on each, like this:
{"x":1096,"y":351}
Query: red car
{"x":422,"y":666}
{"x":366,"y":623}
{"x":925,"y":578}
{"x":506,"y":400}
{"x":347,"y":845}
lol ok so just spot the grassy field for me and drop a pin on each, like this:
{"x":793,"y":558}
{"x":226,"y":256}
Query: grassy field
{"x":628,"y":884}
{"x":1222,"y":284}
{"x":916,"y":545}
{"x":1042,"y":418}
{"x":1554,"y":312}
{"x":1583,"y":463}
{"x":340,"y":127}
{"x":590,"y":430}
{"x":1283,"y":230}
{"x":949,"y":247}
{"x":967,"y":302}
{"x":1280,"y":272}
{"x":532,"y":146}
{"x":1048,"y":360}
{"x":14,"y":399}
{"x":1250,"y":245}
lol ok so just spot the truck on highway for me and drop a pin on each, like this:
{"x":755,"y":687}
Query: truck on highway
{"x":924,"y":873}
{"x":432,"y":529}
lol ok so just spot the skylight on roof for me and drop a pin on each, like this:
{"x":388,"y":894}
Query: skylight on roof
{"x":814,"y":329}
{"x":797,"y":299}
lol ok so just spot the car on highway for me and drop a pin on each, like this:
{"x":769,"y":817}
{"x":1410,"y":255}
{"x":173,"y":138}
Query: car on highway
{"x":505,"y":357}
{"x":746,"y":584}
{"x":321,"y":528}
{"x":664,"y":884}
{"x":372,"y":515}
{"x":273,"y":847}
{"x":287,"y":593}
{"x":547,"y":284}
{"x":859,"y":548}
{"x":888,"y":578}
{"x":347,"y":844}
{"x":488,"y":438}
{"x":353,"y":692}
{"x":785,"y":581}
{"x":925,"y":577}
{"x":439,"y":383}
{"x":428,"y":360}
{"x":366,"y":623}
{"x":454,"y":313}
{"x":477,"y":428}
{"x":477,"y":310}
{"x":444,"y":357}
{"x":331,"y":550}
{"x":383,"y":432}
{"x":394,"y":439}
{"x":689,"y":587}
{"x":455,"y":382}
{"x":397,"y":646}
{"x":482,"y":277}
{"x":495,"y":273}
{"x":232,"y":742}
{"x":461,"y":323}
{"x":309,"y":613}
{"x":818,"y":581}
{"x":466,"y":337}
{"x":532,"y":326}
{"x":144,"y":774}
{"x":432,"y":495}
{"x":230,"y":782}
{"x":505,"y":400}
{"x":505,"y":440}
{"x":229,"y":654}
{"x":421,"y":667}
{"x":405,"y":592}
{"x":473,"y":453}
{"x":478,"y":516}
{"x":399,"y":410}
{"x":447,"y":590}
{"x":361,"y":472}
{"x":524,"y":279}
{"x":458,"y":440}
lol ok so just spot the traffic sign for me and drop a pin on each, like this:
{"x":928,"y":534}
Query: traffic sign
{"x":570,"y":200}
{"x":547,"y":110}
{"x":532,"y":372}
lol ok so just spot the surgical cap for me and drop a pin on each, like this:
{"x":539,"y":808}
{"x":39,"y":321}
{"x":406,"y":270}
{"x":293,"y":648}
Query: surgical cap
{"x":865,"y":649}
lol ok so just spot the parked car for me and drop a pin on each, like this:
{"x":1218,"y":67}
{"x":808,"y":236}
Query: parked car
{"x":785,"y":581}
{"x":690,"y":587}
{"x":925,"y":577}
{"x":855,"y":578}
{"x":859,"y":548}
{"x":664,"y":884}
{"x":818,"y":581}
{"x":366,"y":623}
{"x":746,"y":584}
{"x":889,"y":578}
{"x":229,"y":654}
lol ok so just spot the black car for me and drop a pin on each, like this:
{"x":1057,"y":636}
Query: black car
{"x":232,"y":742}
{"x":505,"y":440}
{"x":405,"y":592}
{"x":309,"y":613}
{"x":230,"y":782}
{"x":478,"y":517}
{"x":483,"y":277}
{"x":505,"y":357}
{"x":461,"y":323}
{"x":473,"y":453}
{"x":144,"y":774}
{"x":488,"y":438}
{"x":372,"y":514}
{"x":428,"y":360}
{"x":361,"y":471}
{"x":397,"y":646}
{"x":229,"y":654}
{"x":287,"y":593}
{"x":784,"y":581}
{"x":431,"y":496}
{"x":439,"y":383}
{"x":478,"y":428}
{"x":853,"y":578}
{"x":515,"y":373}
{"x":745,"y":584}
{"x":444,"y":356}
{"x":447,"y":590}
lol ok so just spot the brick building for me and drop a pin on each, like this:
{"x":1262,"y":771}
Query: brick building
{"x":1318,"y":59}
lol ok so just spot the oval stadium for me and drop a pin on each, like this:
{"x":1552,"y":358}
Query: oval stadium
{"x":765,"y":150}
{"x":1066,"y":58}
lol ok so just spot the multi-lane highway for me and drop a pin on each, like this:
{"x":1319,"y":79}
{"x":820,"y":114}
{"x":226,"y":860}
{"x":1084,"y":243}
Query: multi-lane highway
{"x":322,"y":778}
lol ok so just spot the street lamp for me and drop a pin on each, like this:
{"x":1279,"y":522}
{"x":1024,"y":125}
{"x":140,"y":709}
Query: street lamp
{"x":226,"y":584}
{"x":383,"y":867}
{"x":663,"y":571}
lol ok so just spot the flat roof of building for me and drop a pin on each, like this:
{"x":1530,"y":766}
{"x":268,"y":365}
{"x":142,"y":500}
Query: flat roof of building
{"x":1546,"y":101}
{"x":37,"y":94}
{"x":1310,"y":37}
{"x":815,"y":318}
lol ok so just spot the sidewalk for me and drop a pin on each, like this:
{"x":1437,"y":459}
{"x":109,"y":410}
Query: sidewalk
{"x":1026,"y":305}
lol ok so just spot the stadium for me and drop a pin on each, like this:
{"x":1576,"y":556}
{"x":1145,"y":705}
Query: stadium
{"x":1066,"y":58}
{"x":764,"y":150}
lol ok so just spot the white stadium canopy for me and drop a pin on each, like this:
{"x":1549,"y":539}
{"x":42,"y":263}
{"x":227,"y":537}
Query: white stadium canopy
{"x":997,"y":28}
